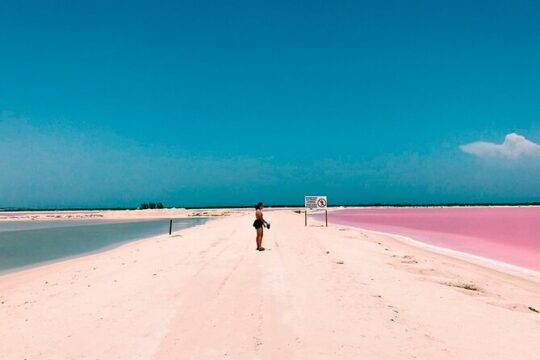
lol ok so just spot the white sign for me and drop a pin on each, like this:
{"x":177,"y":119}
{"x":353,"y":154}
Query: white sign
{"x":316,"y":202}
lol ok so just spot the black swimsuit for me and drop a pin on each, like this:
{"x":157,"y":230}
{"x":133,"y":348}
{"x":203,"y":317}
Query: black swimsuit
{"x":258,"y":224}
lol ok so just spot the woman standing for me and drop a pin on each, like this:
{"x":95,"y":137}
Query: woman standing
{"x":259,"y":224}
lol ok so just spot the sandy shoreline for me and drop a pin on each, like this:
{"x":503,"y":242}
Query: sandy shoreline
{"x":113,"y":214}
{"x":499,"y":266}
{"x":317,"y":293}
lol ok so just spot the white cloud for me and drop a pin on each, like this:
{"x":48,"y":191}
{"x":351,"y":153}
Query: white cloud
{"x":513,"y":147}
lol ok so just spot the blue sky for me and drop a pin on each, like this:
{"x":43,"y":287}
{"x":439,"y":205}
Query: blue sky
{"x":197,"y":103}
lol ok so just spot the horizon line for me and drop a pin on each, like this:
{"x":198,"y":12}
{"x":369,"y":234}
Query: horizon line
{"x":452,"y":204}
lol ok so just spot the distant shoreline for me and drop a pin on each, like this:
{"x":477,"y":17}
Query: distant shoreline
{"x":397,"y":205}
{"x":31,"y":215}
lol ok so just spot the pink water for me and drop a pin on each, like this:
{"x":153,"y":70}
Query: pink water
{"x":506,"y":234}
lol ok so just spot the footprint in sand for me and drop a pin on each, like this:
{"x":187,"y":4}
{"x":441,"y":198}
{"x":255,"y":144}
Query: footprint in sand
{"x":407,"y":259}
{"x":466,"y":286}
{"x":514,"y":307}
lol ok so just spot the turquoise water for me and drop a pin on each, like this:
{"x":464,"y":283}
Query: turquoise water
{"x":30,"y":243}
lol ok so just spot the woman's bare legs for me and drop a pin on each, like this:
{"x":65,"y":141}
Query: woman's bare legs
{"x":259,"y":238}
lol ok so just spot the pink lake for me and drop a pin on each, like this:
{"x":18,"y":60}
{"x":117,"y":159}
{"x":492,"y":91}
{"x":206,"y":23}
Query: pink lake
{"x":506,"y":234}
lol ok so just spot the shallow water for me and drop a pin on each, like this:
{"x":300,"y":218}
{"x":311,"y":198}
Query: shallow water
{"x":506,"y":234}
{"x":30,"y":243}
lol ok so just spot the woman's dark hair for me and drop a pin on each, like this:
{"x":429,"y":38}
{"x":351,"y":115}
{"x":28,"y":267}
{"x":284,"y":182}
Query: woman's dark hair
{"x":259,"y":205}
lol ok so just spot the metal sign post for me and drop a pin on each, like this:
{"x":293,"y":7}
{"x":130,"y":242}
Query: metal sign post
{"x":316,"y":203}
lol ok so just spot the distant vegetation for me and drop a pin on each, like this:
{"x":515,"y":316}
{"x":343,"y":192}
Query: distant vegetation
{"x":150,"y":206}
